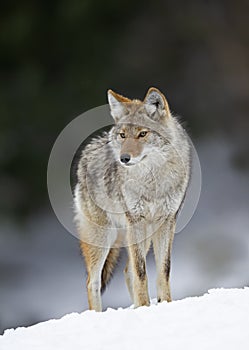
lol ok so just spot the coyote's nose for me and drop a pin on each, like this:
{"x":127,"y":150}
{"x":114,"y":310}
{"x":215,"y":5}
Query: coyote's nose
{"x":125,"y":158}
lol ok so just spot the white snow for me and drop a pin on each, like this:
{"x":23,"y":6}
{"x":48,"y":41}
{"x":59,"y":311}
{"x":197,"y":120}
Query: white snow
{"x":217,"y":320}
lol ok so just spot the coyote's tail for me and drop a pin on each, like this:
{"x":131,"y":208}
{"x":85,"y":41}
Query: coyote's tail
{"x":109,"y":266}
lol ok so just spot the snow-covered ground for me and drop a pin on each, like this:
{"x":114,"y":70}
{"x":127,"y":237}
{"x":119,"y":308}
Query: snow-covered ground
{"x":217,"y":320}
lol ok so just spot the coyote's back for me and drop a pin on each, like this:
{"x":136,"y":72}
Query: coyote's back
{"x":131,"y":184}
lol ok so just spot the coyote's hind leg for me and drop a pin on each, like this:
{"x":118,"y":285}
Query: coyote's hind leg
{"x":94,"y":258}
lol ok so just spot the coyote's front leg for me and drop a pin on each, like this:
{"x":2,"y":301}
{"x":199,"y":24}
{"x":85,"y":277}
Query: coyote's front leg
{"x":137,"y":282}
{"x":162,"y":244}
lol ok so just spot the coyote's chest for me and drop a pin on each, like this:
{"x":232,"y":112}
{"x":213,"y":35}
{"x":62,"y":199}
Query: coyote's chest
{"x":144,"y":192}
{"x":141,"y":191}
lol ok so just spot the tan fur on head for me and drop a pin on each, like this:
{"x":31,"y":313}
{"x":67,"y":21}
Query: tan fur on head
{"x":155,"y":104}
{"x":116,"y":104}
{"x":118,"y":97}
{"x":154,"y":97}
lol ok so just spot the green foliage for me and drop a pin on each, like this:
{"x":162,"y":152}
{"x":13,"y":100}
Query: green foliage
{"x":55,"y":57}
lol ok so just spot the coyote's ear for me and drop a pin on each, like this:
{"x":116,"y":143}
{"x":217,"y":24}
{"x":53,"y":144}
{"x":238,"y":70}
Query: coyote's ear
{"x":156,"y":104}
{"x":117,"y":104}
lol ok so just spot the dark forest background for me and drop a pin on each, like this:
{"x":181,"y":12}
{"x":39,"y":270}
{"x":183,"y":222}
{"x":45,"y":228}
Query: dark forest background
{"x":58,"y":58}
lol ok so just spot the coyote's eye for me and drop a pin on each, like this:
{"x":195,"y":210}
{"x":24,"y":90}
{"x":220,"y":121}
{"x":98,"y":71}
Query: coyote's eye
{"x":122,"y":135}
{"x":142,"y":134}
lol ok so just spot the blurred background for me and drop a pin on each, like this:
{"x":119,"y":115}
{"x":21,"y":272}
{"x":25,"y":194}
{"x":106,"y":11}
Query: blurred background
{"x":57,"y":60}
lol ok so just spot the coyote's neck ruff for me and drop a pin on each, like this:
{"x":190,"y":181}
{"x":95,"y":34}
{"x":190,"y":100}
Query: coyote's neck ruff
{"x":131,"y":183}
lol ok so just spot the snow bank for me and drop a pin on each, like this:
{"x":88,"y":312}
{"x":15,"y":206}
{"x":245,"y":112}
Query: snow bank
{"x":217,"y":320}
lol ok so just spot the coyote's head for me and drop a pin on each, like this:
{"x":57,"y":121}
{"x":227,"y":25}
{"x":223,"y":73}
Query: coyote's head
{"x":138,"y":125}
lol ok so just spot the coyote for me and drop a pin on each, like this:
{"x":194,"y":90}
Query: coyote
{"x":131,"y":182}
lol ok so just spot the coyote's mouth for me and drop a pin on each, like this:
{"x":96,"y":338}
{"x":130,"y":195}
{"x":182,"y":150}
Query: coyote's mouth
{"x":134,"y":163}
